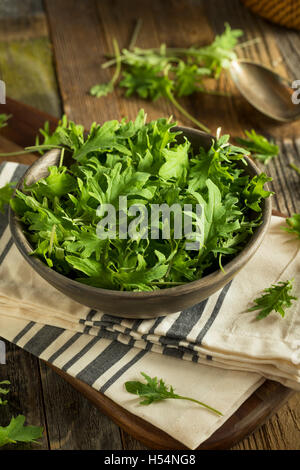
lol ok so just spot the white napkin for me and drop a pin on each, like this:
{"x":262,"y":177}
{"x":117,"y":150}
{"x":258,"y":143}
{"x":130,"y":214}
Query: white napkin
{"x":220,"y":358}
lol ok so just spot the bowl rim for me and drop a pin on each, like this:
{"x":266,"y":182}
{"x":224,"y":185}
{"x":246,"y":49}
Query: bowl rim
{"x":230,"y":268}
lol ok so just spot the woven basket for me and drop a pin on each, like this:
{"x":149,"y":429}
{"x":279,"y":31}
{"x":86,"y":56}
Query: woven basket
{"x":283,"y":12}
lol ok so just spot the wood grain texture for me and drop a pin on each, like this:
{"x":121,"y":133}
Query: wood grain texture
{"x":24,"y":123}
{"x":281,"y":432}
{"x":74,"y":423}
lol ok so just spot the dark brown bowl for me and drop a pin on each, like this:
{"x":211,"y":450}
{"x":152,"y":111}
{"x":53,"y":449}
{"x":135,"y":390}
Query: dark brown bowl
{"x":138,"y":304}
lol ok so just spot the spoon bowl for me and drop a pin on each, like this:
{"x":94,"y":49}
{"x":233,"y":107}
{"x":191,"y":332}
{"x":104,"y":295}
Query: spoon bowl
{"x":264,"y":89}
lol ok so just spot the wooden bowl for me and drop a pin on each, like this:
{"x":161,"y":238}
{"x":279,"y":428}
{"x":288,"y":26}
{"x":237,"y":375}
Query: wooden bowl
{"x":138,"y":304}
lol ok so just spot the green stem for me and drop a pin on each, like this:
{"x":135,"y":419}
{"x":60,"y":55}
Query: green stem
{"x":179,"y":397}
{"x":118,"y":62}
{"x":295,"y":167}
{"x":248,"y":43}
{"x":174,"y":50}
{"x":34,"y":148}
{"x":170,"y":51}
{"x":135,"y":34}
{"x":112,"y":62}
{"x":51,"y":239}
{"x":171,"y":97}
{"x":172,"y":283}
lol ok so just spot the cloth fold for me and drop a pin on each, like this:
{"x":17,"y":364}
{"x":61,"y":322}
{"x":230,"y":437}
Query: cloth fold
{"x":216,"y":348}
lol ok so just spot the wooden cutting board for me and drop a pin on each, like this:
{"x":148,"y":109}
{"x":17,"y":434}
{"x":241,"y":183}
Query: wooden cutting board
{"x":263,"y":403}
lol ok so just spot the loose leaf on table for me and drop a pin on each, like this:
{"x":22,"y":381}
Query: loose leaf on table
{"x":293,"y":225}
{"x":276,"y":298}
{"x":16,"y":431}
{"x":102,"y":89}
{"x":155,"y":390}
{"x":3,"y":120}
{"x":259,"y":146}
{"x":170,"y":72}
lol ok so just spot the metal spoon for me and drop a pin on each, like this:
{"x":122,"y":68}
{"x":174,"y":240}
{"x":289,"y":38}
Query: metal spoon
{"x":265,"y":90}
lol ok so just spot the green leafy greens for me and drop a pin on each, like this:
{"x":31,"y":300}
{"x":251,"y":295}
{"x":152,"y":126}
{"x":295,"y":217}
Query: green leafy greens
{"x":17,"y":431}
{"x":260,"y":148}
{"x":295,"y":167}
{"x":3,"y":120}
{"x":170,"y":72}
{"x":6,"y":193}
{"x":154,"y":391}
{"x":149,"y":163}
{"x":276,"y":298}
{"x":293,"y":225}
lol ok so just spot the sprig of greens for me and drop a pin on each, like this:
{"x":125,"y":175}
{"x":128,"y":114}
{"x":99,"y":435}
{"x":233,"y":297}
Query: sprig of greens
{"x":146,"y":163}
{"x":103,"y":89}
{"x":276,"y":298}
{"x":295,"y":167}
{"x":17,"y":431}
{"x":3,"y":119}
{"x":171,"y":72}
{"x":155,"y":391}
{"x":6,"y":193}
{"x":293,"y":225}
{"x":259,"y":146}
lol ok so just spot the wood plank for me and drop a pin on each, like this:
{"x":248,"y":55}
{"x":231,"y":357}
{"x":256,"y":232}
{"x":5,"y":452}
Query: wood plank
{"x":117,"y":20}
{"x":79,"y":46}
{"x":73,"y":421}
{"x":281,"y":432}
{"x":9,"y":146}
{"x":25,"y":122}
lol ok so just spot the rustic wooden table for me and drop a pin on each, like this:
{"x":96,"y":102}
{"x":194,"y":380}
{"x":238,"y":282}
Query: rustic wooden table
{"x":50,"y":55}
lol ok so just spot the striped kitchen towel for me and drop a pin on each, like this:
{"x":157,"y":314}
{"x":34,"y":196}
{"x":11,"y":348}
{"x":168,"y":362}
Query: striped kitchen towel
{"x":215,"y":349}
